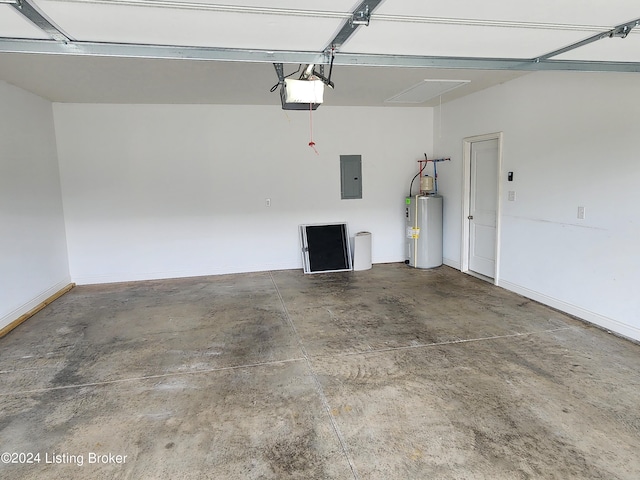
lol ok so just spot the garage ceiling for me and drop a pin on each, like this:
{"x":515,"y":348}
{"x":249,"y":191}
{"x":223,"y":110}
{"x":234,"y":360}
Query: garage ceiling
{"x":204,"y":51}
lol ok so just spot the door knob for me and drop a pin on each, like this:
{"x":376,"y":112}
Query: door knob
{"x":470,"y":217}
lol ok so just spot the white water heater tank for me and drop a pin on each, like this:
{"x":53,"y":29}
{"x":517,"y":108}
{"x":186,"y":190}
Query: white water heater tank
{"x":423,"y":231}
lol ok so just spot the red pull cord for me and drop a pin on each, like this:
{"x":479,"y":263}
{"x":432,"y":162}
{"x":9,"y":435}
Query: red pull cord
{"x":312,"y":144}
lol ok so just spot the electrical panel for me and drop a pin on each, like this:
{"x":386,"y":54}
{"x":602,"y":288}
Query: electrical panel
{"x":350,"y":176}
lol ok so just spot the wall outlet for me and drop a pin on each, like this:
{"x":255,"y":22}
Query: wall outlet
{"x":511,"y":196}
{"x":267,"y":202}
{"x":581,"y":213}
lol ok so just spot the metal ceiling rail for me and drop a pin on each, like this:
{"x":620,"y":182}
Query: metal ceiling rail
{"x":76,"y":48}
{"x":130,"y":50}
{"x":620,"y":31}
{"x":349,"y":27}
{"x":483,"y":63}
{"x":210,"y":7}
{"x":475,"y":22}
{"x":25,"y":8}
{"x":370,"y":4}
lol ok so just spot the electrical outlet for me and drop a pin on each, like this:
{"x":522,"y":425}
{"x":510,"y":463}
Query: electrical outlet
{"x":511,"y":196}
{"x":581,"y":213}
{"x":267,"y":202}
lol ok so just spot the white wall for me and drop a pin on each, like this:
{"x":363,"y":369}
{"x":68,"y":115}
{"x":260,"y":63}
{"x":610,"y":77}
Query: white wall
{"x":33,"y":252}
{"x":571,"y":140}
{"x":156,"y":191}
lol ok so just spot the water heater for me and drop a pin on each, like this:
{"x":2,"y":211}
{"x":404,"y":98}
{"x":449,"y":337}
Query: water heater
{"x":423,"y":231}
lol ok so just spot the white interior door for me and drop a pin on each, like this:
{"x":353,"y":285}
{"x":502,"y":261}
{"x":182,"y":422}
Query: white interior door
{"x":483,"y":204}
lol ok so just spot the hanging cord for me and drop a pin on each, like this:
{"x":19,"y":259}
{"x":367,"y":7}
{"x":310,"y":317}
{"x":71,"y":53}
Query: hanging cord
{"x":425,"y":164}
{"x":312,"y":144}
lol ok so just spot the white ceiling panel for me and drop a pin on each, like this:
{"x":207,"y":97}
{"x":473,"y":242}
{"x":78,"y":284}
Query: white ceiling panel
{"x":98,"y":22}
{"x":608,"y":50}
{"x":14,"y":25}
{"x":70,"y":78}
{"x":325,"y":5}
{"x":569,"y":12}
{"x":505,"y":29}
{"x":458,"y":41}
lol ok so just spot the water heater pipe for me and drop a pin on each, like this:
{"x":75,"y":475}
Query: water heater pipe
{"x":415,"y":237}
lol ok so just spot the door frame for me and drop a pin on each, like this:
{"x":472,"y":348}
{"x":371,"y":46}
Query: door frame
{"x":466,"y":193}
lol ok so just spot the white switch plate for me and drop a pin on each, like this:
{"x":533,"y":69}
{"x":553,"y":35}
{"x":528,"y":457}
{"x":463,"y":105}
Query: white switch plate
{"x":581,"y":213}
{"x":512,"y":196}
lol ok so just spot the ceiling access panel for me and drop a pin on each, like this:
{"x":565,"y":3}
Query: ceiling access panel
{"x":446,"y":40}
{"x":389,"y":82}
{"x":425,"y":90}
{"x":153,"y":25}
{"x":15,"y":25}
{"x":566,"y":12}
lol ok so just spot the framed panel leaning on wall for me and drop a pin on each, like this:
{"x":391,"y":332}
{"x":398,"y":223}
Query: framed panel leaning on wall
{"x":325,"y":248}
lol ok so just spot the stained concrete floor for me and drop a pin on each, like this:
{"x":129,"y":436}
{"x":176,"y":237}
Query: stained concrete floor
{"x":390,"y":373}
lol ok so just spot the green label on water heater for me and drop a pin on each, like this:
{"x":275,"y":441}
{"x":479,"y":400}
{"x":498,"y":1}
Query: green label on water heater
{"x":407,"y":200}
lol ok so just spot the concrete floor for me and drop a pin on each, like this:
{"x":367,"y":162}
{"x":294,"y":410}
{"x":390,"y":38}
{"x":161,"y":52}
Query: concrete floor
{"x":391,"y":373}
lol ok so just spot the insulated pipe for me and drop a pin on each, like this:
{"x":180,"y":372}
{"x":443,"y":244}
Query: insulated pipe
{"x":435,"y":176}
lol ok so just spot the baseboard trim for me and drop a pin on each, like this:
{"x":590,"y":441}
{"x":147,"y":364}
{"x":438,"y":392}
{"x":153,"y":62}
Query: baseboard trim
{"x":120,"y":277}
{"x":26,"y":316}
{"x":588,"y":316}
